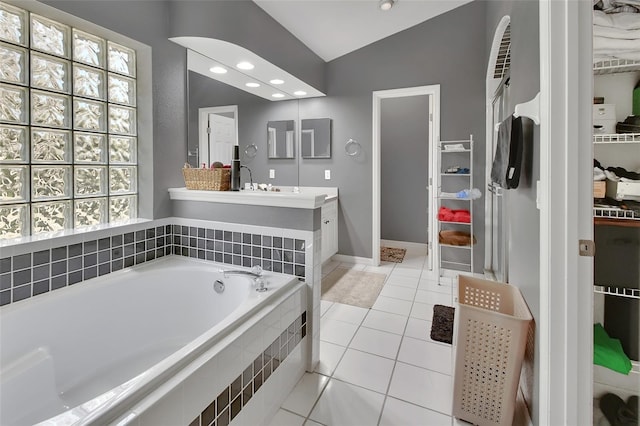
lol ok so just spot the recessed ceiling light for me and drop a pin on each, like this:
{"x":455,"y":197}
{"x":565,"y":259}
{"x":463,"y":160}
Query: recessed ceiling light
{"x":386,"y":4}
{"x":252,"y":85}
{"x":278,"y":95}
{"x":218,"y":70}
{"x":299,"y":93}
{"x":276,"y":81}
{"x":245,"y":65}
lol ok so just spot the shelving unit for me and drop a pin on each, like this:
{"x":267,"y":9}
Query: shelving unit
{"x":615,"y":290}
{"x":455,"y":257}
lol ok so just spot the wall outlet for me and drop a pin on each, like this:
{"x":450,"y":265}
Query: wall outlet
{"x":272,"y":174}
{"x":327,"y":174}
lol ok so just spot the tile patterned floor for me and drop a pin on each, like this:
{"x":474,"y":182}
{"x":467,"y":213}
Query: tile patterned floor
{"x":379,"y":366}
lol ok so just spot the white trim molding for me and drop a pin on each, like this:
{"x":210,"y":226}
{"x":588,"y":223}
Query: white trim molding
{"x":565,"y":322}
{"x":433,"y":91}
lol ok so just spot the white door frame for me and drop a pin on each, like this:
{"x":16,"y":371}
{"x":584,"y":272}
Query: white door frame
{"x":434,"y":138}
{"x":565,"y":203}
{"x":203,"y":118}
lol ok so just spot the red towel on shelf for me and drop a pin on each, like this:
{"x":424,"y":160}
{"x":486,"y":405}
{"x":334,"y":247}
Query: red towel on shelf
{"x":448,"y":215}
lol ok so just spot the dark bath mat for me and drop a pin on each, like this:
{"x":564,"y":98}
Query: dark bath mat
{"x":442,"y":325}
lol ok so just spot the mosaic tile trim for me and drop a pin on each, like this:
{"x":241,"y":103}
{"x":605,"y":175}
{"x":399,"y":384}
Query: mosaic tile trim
{"x":31,"y":274}
{"x":277,"y":254}
{"x":223,"y":409}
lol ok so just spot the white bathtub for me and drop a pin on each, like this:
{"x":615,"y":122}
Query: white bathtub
{"x":86,"y":353}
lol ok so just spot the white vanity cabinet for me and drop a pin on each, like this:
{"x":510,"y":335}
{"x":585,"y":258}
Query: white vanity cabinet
{"x":329,"y":217}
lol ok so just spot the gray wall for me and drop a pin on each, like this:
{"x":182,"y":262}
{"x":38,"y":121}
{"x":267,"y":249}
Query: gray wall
{"x":448,"y":50}
{"x":404,"y":158}
{"x":144,"y":22}
{"x":152,"y":23}
{"x":414,"y":57}
{"x":523,"y":215}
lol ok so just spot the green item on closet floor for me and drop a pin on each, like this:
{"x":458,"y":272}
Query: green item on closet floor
{"x":608,"y":352}
{"x":635,"y":105}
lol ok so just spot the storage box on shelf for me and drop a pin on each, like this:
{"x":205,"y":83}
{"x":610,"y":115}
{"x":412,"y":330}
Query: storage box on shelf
{"x":599,"y":189}
{"x":604,"y":118}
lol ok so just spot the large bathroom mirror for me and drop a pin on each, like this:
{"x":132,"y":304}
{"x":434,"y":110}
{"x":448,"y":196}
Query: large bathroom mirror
{"x":281,"y":139}
{"x":315,"y":138}
{"x":218,"y":134}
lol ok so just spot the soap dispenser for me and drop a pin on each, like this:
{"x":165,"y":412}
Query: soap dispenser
{"x":235,"y":169}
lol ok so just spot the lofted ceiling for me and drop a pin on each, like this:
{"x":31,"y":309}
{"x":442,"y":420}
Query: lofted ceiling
{"x":332,"y":28}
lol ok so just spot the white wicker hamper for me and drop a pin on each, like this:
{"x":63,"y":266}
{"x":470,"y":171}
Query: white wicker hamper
{"x":493,"y":321}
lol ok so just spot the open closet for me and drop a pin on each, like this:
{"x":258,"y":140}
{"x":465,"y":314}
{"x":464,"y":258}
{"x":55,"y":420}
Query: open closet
{"x":616,"y":151}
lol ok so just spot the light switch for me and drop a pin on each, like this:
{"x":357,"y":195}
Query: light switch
{"x":327,"y":174}
{"x":272,"y":174}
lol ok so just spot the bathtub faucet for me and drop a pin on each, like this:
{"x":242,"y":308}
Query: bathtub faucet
{"x":255,"y":273}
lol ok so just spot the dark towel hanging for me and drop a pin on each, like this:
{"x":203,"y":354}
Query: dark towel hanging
{"x":515,"y":153}
{"x":507,"y":162}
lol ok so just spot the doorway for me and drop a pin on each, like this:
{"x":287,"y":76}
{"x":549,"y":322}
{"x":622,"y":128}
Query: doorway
{"x":384,"y":104}
{"x":218,"y":133}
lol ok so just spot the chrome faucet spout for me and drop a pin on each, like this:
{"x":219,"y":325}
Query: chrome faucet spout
{"x":240,"y":272}
{"x":255,"y":272}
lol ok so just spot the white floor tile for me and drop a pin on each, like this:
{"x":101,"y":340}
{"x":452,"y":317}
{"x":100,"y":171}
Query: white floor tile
{"x":433,"y":298}
{"x":337,"y":332}
{"x":400,"y":270}
{"x":342,"y":404}
{"x":391,"y":305}
{"x":398,"y":292}
{"x":426,"y":355}
{"x":359,"y":346}
{"x":403,"y":281}
{"x":418,"y":329}
{"x":305,"y":394}
{"x":330,"y":355}
{"x":376,"y":342}
{"x":369,"y":371}
{"x":324,"y":306}
{"x":285,"y":418}
{"x":422,"y":311}
{"x":398,"y":412}
{"x":413,"y":263}
{"x":427,"y":284}
{"x":423,"y":387}
{"x":385,"y":321}
{"x":346,"y":313}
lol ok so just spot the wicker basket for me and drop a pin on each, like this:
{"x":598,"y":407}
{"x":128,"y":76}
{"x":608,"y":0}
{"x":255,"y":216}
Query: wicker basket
{"x":207,"y":179}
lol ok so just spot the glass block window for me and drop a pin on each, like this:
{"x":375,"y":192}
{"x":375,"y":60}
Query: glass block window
{"x":68,"y":127}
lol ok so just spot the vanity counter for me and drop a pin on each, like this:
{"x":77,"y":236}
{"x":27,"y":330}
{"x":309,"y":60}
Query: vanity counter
{"x":306,"y":198}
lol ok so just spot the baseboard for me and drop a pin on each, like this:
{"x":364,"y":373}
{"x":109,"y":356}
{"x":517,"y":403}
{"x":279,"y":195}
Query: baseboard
{"x":352,"y":259}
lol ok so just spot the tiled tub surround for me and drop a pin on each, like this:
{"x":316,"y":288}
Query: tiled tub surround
{"x":98,"y":253}
{"x":187,"y":359}
{"x":23,"y":267}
